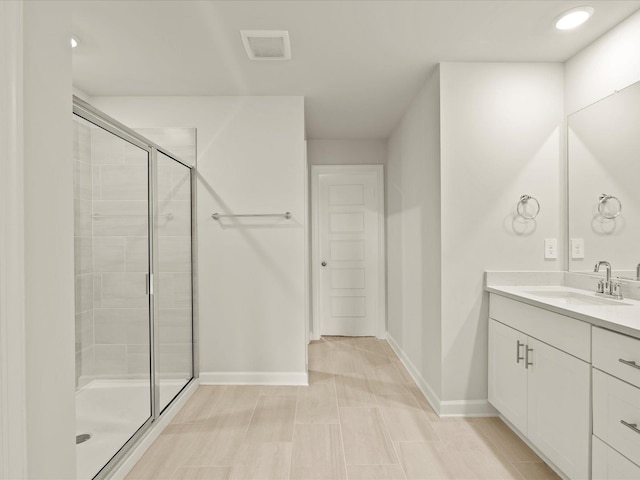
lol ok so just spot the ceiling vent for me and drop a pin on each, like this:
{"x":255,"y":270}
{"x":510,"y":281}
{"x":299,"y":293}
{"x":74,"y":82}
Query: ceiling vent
{"x":266,"y":44}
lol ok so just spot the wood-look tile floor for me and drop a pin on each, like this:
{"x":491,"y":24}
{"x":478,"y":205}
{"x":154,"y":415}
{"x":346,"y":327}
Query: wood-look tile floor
{"x":361,"y":418}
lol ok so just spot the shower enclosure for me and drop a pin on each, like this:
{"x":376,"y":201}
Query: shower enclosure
{"x":134,"y":278}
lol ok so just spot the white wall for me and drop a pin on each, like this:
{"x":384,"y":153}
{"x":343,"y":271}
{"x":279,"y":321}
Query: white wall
{"x":346,"y":152}
{"x":413,"y":235}
{"x":49,"y":256}
{"x":12,"y":342}
{"x":477,"y":137}
{"x":252,"y":279}
{"x":501,"y":137}
{"x":610,"y":63}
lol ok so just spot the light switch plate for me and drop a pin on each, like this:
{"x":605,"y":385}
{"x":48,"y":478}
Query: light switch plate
{"x":550,"y":248}
{"x":577,"y":248}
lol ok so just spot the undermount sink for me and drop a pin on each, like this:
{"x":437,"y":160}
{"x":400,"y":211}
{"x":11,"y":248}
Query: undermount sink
{"x":573,"y":298}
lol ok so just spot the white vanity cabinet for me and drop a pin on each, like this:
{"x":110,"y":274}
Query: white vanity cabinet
{"x":611,"y":465}
{"x":616,"y":406}
{"x":540,"y":380}
{"x":507,"y":377}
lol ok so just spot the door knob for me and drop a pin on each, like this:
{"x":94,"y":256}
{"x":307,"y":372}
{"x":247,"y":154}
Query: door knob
{"x":324,"y":264}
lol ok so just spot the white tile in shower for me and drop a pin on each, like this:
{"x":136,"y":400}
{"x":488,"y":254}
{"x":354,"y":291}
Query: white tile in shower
{"x":137,"y":254}
{"x":124,"y":290}
{"x":84,"y":366}
{"x":110,"y":360}
{"x":82,"y":180}
{"x":165,"y":291}
{"x":84,"y":330}
{"x":120,"y":218}
{"x":138,"y":360}
{"x":83,"y":252}
{"x":182,"y":289}
{"x":84,"y":292}
{"x":175,"y":360}
{"x":109,"y":254}
{"x":97,"y":290}
{"x":174,"y":254}
{"x":174,"y":218}
{"x":121,"y":325}
{"x":82,"y":217}
{"x":81,"y":142}
{"x":134,"y":155}
{"x":106,"y":148}
{"x":174,"y":325}
{"x":123,"y":182}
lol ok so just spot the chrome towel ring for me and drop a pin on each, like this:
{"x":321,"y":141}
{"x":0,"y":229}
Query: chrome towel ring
{"x":520,"y":207}
{"x":603,"y":199}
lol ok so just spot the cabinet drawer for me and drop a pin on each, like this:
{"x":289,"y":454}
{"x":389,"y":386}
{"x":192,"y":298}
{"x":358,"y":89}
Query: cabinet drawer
{"x":610,"y":349}
{"x":614,"y":402}
{"x":607,"y":464}
{"x":560,"y":331}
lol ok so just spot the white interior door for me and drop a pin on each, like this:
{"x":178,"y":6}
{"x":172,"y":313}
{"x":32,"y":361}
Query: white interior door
{"x":348,"y":273}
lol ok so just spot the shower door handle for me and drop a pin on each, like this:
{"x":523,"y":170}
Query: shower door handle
{"x":148,"y":283}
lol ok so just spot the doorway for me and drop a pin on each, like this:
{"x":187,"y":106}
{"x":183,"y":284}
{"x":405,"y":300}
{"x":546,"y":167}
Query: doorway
{"x":348,"y":267}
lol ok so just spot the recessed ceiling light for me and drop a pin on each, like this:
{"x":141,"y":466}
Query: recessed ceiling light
{"x":74,"y":42}
{"x":573,"y":18}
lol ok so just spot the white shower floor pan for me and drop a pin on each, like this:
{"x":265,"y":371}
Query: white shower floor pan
{"x":111,"y":411}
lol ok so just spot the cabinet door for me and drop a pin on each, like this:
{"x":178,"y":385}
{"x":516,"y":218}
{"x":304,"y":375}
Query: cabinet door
{"x":607,"y":464}
{"x":507,"y":376}
{"x":559,"y":408}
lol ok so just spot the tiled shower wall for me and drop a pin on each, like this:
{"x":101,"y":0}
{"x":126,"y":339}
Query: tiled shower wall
{"x":120,"y":257}
{"x":112,"y":321}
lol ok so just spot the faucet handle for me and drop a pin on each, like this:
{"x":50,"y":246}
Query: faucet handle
{"x":616,"y":290}
{"x":600,"y":288}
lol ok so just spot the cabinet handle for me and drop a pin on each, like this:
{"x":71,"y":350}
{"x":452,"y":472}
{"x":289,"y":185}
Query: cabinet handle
{"x":631,"y":363}
{"x":632,"y":426}
{"x":518,"y":357}
{"x":527,"y":363}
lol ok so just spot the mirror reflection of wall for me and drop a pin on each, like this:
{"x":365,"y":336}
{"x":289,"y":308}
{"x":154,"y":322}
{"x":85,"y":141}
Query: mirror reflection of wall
{"x":604,"y":158}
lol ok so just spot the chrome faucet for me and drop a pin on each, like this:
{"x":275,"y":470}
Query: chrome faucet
{"x":606,"y":286}
{"x":638,"y":272}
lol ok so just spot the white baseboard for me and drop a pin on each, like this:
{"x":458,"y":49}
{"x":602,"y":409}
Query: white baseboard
{"x":467,"y":408}
{"x":444,"y":408}
{"x":424,"y":387}
{"x":122,"y":470}
{"x":254,"y":378}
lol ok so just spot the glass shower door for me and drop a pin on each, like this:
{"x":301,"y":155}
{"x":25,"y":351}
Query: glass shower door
{"x":113,"y":371}
{"x":174,"y":316}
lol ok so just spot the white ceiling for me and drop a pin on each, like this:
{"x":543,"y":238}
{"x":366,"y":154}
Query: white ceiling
{"x":357,"y":63}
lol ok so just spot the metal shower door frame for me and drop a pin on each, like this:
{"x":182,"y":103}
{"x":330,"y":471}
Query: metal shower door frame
{"x":89,"y":113}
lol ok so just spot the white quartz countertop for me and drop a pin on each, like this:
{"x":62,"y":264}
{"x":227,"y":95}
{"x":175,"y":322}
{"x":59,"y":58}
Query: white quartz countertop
{"x":619,"y":315}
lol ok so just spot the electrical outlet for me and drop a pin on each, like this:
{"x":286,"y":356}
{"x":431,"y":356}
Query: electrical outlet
{"x":550,"y":248}
{"x":577,"y":248}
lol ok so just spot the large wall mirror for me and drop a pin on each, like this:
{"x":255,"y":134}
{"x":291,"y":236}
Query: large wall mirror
{"x":604,"y":184}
